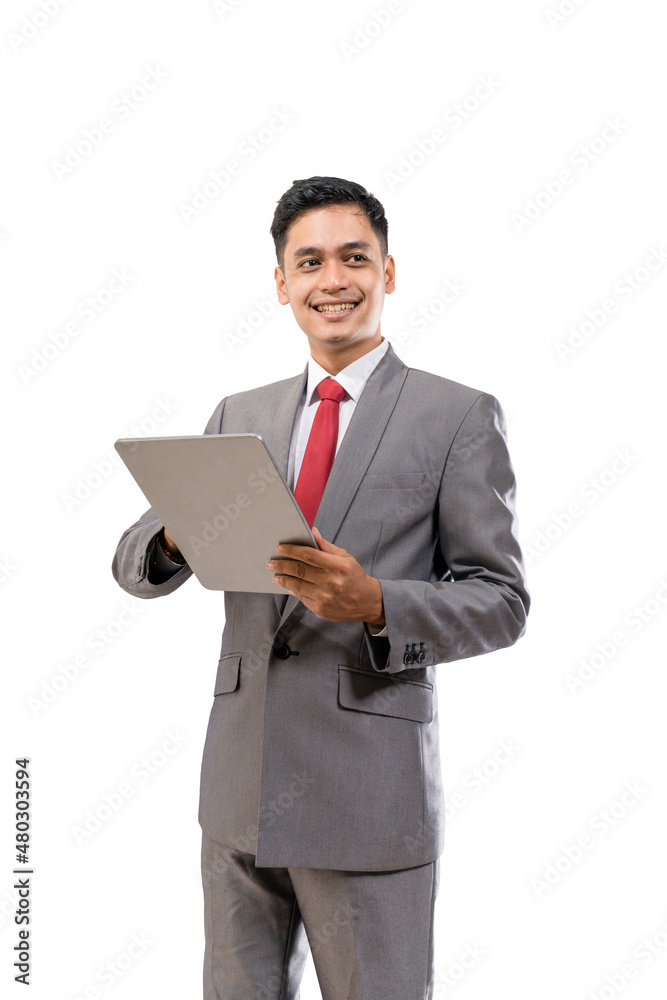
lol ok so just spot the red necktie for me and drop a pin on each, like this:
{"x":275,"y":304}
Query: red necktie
{"x":320,"y":450}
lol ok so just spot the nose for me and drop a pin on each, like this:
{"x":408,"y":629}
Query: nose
{"x":333,"y":276}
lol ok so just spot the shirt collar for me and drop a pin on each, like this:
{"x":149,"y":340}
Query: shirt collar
{"x":353,"y":378}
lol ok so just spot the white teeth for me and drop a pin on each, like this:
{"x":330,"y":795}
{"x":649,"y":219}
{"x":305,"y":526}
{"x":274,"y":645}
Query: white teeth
{"x":338,"y":307}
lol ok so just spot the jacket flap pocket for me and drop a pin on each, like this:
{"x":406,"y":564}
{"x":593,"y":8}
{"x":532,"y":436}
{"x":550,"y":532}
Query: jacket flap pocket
{"x":369,"y":691}
{"x":227,"y":677}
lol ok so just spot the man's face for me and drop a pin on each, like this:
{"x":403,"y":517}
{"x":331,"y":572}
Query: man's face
{"x":335,"y":279}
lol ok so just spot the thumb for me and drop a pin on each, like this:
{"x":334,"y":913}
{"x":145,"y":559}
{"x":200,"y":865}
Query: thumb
{"x":322,"y":542}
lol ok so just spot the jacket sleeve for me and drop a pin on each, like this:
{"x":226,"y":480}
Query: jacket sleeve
{"x":481,"y":601}
{"x":133,"y":566}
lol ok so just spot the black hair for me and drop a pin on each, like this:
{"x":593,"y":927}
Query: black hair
{"x":317,"y":192}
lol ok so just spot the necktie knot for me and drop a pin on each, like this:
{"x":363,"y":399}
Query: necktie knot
{"x":330,"y":389}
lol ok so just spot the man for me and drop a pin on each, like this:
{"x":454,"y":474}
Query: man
{"x":321,"y":798}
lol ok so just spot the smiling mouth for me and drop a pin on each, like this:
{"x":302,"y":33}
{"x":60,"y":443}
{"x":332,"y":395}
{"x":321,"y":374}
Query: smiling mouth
{"x":329,"y":307}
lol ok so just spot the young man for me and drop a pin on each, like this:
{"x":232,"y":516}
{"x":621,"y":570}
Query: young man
{"x":321,"y":798}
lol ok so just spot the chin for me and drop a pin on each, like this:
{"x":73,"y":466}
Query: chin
{"x":342,"y":338}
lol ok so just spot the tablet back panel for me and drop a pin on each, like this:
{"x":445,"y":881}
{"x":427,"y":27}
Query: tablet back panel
{"x":223,"y":501}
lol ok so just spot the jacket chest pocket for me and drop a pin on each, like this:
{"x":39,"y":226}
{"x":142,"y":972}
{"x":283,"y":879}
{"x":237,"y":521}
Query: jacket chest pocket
{"x":392,"y":480}
{"x":402,"y":495}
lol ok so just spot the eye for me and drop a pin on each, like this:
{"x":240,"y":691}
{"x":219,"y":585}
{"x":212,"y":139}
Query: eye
{"x":311,"y":260}
{"x":360,"y":256}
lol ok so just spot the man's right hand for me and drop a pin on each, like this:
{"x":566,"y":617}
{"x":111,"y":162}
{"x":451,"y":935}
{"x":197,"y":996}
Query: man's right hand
{"x":170,"y":546}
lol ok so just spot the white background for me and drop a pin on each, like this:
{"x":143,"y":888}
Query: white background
{"x":586,"y":433}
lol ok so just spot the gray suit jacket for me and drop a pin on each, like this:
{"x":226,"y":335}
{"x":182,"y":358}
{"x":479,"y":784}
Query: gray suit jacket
{"x":322,"y":745}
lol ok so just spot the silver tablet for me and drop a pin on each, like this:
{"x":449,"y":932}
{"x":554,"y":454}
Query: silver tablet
{"x":224,"y":502}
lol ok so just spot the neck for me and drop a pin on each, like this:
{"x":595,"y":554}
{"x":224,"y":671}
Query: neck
{"x":334,"y":361}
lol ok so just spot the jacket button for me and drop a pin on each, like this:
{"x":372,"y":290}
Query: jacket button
{"x":283,"y":651}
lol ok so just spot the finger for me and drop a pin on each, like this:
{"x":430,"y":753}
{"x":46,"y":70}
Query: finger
{"x":324,"y":545}
{"x":298,"y":588}
{"x":295,"y":569}
{"x":306,"y":554}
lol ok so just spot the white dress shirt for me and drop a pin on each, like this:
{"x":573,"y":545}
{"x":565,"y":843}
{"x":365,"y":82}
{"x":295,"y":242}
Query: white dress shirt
{"x":352,"y":379}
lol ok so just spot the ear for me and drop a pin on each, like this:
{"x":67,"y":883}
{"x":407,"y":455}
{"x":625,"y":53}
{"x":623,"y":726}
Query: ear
{"x":389,"y":274}
{"x":280,"y":286}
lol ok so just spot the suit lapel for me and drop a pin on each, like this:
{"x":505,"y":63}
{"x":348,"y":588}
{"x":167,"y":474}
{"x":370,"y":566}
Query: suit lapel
{"x":357,"y":448}
{"x":278,"y":431}
{"x":277,"y":436}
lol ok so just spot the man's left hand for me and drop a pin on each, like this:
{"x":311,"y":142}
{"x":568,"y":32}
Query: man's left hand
{"x":329,"y":581}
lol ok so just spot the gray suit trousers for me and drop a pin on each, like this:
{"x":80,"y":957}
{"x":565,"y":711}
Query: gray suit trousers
{"x":370,"y":933}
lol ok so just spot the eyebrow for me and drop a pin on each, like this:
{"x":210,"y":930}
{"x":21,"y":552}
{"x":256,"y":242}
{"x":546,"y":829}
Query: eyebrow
{"x":317,"y":251}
